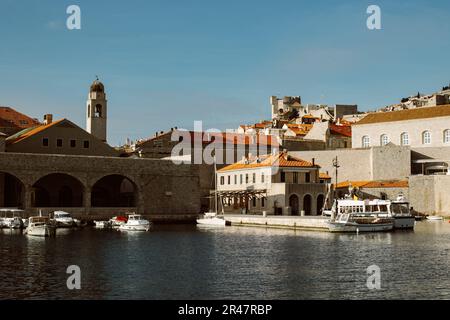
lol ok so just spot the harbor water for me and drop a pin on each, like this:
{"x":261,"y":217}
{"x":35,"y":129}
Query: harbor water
{"x":187,"y":262}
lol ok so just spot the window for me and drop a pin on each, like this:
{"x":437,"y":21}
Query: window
{"x":235,"y":179}
{"x":98,"y":111}
{"x":254,"y":202}
{"x":307,"y":177}
{"x":263,"y":202}
{"x":426,"y":137}
{"x":283,"y":176}
{"x":73,"y":143}
{"x":404,"y":139}
{"x":59,"y":142}
{"x":262,"y":177}
{"x":86,"y":144}
{"x":384,"y":140}
{"x":229,"y":179}
{"x":222,"y":180}
{"x":447,"y":136}
{"x":241,"y":181}
{"x":254,"y":178}
{"x":246,"y":178}
{"x":45,"y":142}
{"x":295,"y":177}
{"x":365,"y":142}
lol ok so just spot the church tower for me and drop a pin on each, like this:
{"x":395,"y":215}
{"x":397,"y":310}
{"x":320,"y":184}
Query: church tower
{"x":96,"y":111}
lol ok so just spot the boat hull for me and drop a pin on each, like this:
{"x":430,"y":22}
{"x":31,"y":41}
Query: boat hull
{"x":357,"y":227}
{"x":212,"y":221}
{"x":134,"y":228}
{"x":41,"y":231}
{"x":407,"y":222}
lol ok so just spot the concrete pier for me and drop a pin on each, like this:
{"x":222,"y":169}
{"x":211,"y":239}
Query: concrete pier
{"x":316,"y":223}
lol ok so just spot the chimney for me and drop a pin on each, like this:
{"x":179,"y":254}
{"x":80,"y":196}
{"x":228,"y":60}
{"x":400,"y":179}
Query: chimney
{"x":48,"y":118}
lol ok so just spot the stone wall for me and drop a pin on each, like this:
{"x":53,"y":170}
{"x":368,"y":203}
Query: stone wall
{"x":163,"y":188}
{"x":429,"y":194}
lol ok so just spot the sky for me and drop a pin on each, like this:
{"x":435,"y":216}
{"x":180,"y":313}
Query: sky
{"x":168,"y":63}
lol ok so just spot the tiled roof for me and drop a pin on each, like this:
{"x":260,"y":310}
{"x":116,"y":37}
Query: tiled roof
{"x":26,"y":133}
{"x":409,"y":114}
{"x":374,"y":184}
{"x":10,"y":118}
{"x":323,"y":175}
{"x":345,"y":131}
{"x":281,"y":159}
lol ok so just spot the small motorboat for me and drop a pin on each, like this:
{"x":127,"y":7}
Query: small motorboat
{"x":211,"y":219}
{"x":63,"y":219}
{"x":135,"y":222}
{"x":434,"y":218}
{"x":102,"y":224}
{"x":41,"y":227}
{"x":118,"y":221}
{"x":11,"y":218}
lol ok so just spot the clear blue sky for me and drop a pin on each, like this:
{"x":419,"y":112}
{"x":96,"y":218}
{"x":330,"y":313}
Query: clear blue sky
{"x":167,"y":63}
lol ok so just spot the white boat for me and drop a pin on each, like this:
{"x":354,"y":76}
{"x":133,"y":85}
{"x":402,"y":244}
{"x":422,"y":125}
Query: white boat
{"x":135,"y":222}
{"x":63,"y":219}
{"x":14,"y":221}
{"x":118,"y":221}
{"x":400,"y":211}
{"x":102,"y":224}
{"x":211,"y":218}
{"x":40,"y":226}
{"x":350,"y":215}
{"x":434,"y":218}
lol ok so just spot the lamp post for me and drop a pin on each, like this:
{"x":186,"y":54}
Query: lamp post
{"x":336,"y":166}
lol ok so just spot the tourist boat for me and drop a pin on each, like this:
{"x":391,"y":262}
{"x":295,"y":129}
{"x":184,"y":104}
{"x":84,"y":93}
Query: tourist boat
{"x":350,"y":215}
{"x":40,"y":226}
{"x":118,"y":221}
{"x":135,"y":222}
{"x":211,"y":218}
{"x":434,"y":218}
{"x":63,"y":219}
{"x":400,"y":211}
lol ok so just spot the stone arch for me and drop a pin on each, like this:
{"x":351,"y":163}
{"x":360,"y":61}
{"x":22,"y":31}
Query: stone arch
{"x":12,"y":191}
{"x":57,"y":190}
{"x":320,"y":201}
{"x":294,"y":204}
{"x":114,"y":190}
{"x":307,"y":204}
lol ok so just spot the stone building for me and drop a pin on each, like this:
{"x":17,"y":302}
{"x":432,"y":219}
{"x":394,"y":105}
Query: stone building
{"x":276,"y":183}
{"x":421,"y":127}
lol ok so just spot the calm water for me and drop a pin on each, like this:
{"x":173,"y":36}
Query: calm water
{"x":184,"y":262}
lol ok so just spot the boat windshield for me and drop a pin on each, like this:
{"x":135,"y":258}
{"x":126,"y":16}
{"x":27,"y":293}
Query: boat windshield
{"x":62,"y":215}
{"x":400,"y":208}
{"x":135,"y":217}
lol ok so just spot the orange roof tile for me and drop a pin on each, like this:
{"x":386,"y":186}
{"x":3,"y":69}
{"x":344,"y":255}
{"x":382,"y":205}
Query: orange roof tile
{"x":374,"y":184}
{"x":10,"y":118}
{"x":24,"y":134}
{"x":323,"y":175}
{"x":341,"y":130}
{"x":409,"y":114}
{"x":280,"y":159}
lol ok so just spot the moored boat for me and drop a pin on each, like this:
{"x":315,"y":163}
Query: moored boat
{"x":40,"y":226}
{"x":63,"y":219}
{"x":434,"y":218}
{"x":135,"y":222}
{"x":118,"y":221}
{"x":350,"y":223}
{"x":102,"y":224}
{"x":211,"y":218}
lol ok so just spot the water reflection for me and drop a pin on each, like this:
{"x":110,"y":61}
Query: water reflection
{"x":186,"y":262}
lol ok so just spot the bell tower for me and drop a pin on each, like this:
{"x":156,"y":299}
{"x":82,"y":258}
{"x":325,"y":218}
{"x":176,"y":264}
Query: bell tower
{"x":96,"y":111}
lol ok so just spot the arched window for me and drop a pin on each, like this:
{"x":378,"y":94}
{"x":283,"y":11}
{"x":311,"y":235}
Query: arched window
{"x":384,"y":139}
{"x":365,"y":142}
{"x":447,"y":136}
{"x":426,"y":137}
{"x":404,"y":139}
{"x":98,"y":111}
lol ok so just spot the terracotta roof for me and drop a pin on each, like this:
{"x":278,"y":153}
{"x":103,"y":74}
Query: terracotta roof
{"x":409,"y":114}
{"x":345,"y":131}
{"x":323,"y":175}
{"x":309,"y":116}
{"x":280,"y":159}
{"x":224,"y":137}
{"x":10,"y":118}
{"x":374,"y":184}
{"x":26,"y":133}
